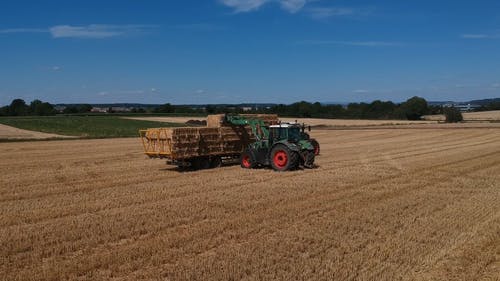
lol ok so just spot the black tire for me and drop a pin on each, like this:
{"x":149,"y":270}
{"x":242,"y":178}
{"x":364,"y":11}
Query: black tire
{"x":215,"y":162}
{"x":315,"y":144}
{"x":309,"y":156}
{"x":200,"y":163}
{"x":247,"y":160}
{"x":283,"y":159}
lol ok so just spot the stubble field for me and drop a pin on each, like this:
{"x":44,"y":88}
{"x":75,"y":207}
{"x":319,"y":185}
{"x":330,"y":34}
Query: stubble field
{"x":384,"y":204}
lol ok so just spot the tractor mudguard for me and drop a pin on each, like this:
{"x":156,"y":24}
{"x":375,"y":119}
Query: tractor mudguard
{"x":292,"y":146}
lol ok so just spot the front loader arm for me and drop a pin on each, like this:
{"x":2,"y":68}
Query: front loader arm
{"x":258,"y":127}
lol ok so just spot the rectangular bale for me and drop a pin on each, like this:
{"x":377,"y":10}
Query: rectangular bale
{"x":215,"y":120}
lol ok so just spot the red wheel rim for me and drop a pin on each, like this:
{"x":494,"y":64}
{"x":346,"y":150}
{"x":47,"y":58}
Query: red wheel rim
{"x":280,"y":159}
{"x":246,"y":161}
{"x":316,"y":150}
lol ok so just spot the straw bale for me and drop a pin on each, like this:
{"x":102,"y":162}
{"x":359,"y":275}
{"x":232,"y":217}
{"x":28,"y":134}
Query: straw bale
{"x":269,"y":119}
{"x":215,"y":120}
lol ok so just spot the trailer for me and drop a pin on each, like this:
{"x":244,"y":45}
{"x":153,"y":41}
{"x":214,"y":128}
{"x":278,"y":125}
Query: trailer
{"x":201,"y":147}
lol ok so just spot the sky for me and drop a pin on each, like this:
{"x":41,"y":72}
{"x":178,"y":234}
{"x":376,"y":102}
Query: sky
{"x":248,"y":51}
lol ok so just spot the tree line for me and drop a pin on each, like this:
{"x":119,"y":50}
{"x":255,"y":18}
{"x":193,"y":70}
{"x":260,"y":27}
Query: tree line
{"x":19,"y":107}
{"x":412,"y":109}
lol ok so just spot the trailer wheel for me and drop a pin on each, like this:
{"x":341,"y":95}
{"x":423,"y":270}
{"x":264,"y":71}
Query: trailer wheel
{"x":246,"y":160}
{"x":283,"y":159}
{"x":215,"y":162}
{"x":200,"y":163}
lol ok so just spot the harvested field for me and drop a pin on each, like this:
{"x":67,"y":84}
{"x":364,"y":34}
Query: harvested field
{"x":11,"y":133}
{"x":485,"y":115}
{"x":470,"y":116}
{"x":384,"y":204}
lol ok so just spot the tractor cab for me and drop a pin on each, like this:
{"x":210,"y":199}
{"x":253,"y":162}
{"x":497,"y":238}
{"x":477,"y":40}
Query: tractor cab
{"x":285,"y":132}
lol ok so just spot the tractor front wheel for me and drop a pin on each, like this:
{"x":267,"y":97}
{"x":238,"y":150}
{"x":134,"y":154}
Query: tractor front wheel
{"x":283,"y":159}
{"x":308,"y":158}
{"x":315,"y":144}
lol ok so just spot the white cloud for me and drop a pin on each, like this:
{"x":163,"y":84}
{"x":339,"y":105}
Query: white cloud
{"x":244,"y":5}
{"x":55,"y":68}
{"x":496,"y":85}
{"x":353,"y":43}
{"x":321,"y":13}
{"x":360,"y":91}
{"x":240,"y":6}
{"x":293,"y":6}
{"x":199,"y":27}
{"x":24,"y":30}
{"x":95,"y":31}
{"x":481,"y":35}
{"x":325,"y":13}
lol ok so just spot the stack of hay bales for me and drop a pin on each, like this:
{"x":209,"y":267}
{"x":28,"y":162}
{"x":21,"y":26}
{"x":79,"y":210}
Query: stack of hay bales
{"x":181,"y":143}
{"x":218,"y":138}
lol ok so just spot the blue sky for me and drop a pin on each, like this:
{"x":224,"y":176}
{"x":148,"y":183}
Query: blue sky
{"x":231,"y":51}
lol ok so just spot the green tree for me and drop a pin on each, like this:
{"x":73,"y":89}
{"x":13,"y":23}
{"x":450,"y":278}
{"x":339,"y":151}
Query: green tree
{"x":4,"y":111}
{"x":414,"y":108}
{"x":18,"y":107}
{"x":453,"y":115}
{"x":39,"y":108}
{"x":166,"y":108}
{"x":84,"y":108}
{"x":71,"y":109}
{"x":79,"y":108}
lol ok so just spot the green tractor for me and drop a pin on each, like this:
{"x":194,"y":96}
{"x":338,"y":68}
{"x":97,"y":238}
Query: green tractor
{"x":284,"y":147}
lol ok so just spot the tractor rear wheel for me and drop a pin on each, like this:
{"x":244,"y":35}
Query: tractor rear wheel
{"x":246,"y":160}
{"x":283,"y":159}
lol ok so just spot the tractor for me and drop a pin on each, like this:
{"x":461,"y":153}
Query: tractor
{"x":283,"y":146}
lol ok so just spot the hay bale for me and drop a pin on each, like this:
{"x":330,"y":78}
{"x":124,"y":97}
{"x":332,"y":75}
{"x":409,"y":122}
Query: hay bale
{"x":269,"y":119}
{"x":215,"y":120}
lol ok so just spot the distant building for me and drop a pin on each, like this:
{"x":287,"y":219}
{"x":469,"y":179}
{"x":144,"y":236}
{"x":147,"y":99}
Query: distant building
{"x":463,"y":107}
{"x":60,"y":108}
{"x":121,"y":109}
{"x":99,"y":110}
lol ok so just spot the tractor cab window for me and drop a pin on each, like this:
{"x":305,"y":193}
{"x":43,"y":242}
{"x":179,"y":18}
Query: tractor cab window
{"x":294,"y":134}
{"x":278,"y":133}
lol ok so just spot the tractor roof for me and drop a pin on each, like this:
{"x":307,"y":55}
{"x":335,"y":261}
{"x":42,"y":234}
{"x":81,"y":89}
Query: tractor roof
{"x":285,"y":125}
